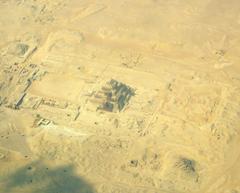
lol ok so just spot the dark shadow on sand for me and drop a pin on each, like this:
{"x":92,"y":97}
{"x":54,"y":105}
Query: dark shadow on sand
{"x":37,"y":177}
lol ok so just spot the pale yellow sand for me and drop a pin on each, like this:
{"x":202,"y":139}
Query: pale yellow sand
{"x":178,"y":133}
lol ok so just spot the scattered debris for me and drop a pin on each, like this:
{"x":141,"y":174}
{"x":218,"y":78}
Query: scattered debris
{"x":220,"y":52}
{"x":134,"y":163}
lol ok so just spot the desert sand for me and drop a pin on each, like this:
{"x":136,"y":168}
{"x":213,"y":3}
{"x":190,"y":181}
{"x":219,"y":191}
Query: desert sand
{"x":134,"y":96}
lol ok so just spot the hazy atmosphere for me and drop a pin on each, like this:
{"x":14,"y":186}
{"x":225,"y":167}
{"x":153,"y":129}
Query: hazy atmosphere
{"x":119,"y":96}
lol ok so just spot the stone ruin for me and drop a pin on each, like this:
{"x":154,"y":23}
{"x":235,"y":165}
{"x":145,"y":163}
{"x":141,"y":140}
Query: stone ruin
{"x":116,"y":96}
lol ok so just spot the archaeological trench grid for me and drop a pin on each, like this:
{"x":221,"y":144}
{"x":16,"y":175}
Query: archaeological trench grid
{"x":84,"y":112}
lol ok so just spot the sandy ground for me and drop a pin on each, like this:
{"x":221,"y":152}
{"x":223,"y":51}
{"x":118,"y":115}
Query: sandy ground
{"x":61,"y":129}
